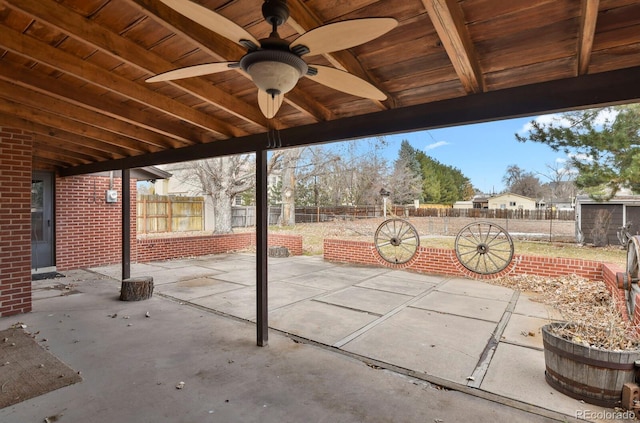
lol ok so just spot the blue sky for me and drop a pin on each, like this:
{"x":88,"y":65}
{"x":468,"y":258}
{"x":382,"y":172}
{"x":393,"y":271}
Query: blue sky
{"x":481,"y":151}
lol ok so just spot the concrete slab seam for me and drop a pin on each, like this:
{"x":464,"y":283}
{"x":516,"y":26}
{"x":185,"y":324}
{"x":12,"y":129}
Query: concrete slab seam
{"x":480,"y":371}
{"x":384,"y":317}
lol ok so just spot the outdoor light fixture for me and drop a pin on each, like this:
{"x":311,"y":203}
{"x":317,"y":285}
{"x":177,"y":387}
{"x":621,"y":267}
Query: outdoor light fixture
{"x":274,"y":72}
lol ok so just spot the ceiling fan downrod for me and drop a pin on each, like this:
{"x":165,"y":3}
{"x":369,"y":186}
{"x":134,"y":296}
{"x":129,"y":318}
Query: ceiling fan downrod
{"x":276,"y":12}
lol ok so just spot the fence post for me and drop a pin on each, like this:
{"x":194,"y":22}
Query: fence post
{"x":169,"y":215}
{"x":144,"y":215}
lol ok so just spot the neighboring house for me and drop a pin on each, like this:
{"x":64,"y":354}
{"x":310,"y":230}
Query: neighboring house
{"x":463,"y":204}
{"x":621,"y":209}
{"x":510,"y":201}
{"x":480,"y":202}
{"x":560,"y":204}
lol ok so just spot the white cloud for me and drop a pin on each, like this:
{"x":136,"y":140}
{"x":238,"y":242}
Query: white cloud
{"x":435,"y":145}
{"x":605,"y":116}
{"x":581,"y":157}
{"x":561,"y":160}
{"x":544,"y":120}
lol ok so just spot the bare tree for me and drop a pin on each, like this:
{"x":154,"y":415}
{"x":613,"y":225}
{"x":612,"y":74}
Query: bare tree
{"x":350,"y":172}
{"x":405,"y":185}
{"x":521,"y":182}
{"x":221,"y":178}
{"x":290,"y":159}
{"x":561,"y":176}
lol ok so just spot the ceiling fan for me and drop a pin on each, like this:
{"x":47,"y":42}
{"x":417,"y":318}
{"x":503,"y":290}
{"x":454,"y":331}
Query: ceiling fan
{"x":275,"y":64}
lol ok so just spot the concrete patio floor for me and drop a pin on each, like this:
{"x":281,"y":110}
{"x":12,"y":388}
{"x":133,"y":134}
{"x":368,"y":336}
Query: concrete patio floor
{"x":348,"y":344}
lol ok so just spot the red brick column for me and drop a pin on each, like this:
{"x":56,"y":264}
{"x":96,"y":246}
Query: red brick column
{"x":15,"y":221}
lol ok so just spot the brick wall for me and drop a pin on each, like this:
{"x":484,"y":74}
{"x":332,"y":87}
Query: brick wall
{"x":152,"y":249}
{"x":444,"y":262}
{"x":88,"y":229}
{"x":15,"y":221}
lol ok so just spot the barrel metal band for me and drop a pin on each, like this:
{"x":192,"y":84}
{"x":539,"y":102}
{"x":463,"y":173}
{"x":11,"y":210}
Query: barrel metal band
{"x":590,"y":361}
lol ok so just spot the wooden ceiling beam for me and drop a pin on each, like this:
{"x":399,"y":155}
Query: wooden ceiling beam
{"x":43,"y":149}
{"x":225,"y":50}
{"x":110,"y":141}
{"x":90,"y":118}
{"x":37,"y":51}
{"x":448,"y":20}
{"x":46,"y":163}
{"x":93,"y":147}
{"x":108,"y":107}
{"x":588,"y":19}
{"x":56,"y":139}
{"x":131,"y":53}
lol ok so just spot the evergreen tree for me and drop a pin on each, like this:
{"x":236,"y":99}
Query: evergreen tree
{"x":604,"y":146}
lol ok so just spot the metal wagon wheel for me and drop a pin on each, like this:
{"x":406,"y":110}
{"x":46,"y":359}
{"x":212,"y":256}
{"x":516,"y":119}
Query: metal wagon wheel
{"x":633,"y":266}
{"x":397,"y":241}
{"x":484,"y":248}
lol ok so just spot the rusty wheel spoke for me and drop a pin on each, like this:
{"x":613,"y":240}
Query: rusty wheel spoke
{"x":396,"y":241}
{"x":484,"y":248}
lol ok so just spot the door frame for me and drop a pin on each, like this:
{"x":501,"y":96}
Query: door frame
{"x":48,"y":258}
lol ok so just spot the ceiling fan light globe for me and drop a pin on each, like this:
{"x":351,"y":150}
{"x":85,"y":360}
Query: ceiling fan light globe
{"x":274,"y":71}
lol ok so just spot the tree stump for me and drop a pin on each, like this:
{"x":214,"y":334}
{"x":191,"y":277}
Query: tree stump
{"x":278,"y":251}
{"x":136,"y":289}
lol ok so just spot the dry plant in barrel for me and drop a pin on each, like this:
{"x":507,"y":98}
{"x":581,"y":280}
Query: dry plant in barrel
{"x":591,"y":312}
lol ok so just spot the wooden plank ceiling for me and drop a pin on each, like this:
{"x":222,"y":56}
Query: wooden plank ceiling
{"x":73,"y":71}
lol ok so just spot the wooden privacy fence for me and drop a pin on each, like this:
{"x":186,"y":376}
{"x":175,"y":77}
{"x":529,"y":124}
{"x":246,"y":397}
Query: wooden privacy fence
{"x":536,"y":214}
{"x":245,"y":216}
{"x":167,"y":213}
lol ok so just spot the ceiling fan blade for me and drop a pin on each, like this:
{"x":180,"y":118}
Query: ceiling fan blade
{"x":269,"y":104}
{"x":346,"y":82}
{"x":211,"y":20}
{"x":191,"y":71}
{"x":344,"y":34}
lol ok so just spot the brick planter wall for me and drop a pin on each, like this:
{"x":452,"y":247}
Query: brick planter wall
{"x":88,"y":229}
{"x":445,"y":262}
{"x":152,"y":249}
{"x":15,"y":221}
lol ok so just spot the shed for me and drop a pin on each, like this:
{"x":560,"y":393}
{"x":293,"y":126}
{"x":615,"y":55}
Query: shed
{"x":620,"y":210}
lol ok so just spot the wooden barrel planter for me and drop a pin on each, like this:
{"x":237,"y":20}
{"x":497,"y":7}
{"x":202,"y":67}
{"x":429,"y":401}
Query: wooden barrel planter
{"x":593,"y":375}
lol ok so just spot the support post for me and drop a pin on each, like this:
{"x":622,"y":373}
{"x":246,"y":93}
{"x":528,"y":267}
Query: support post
{"x":262,"y":210}
{"x":126,"y":224}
